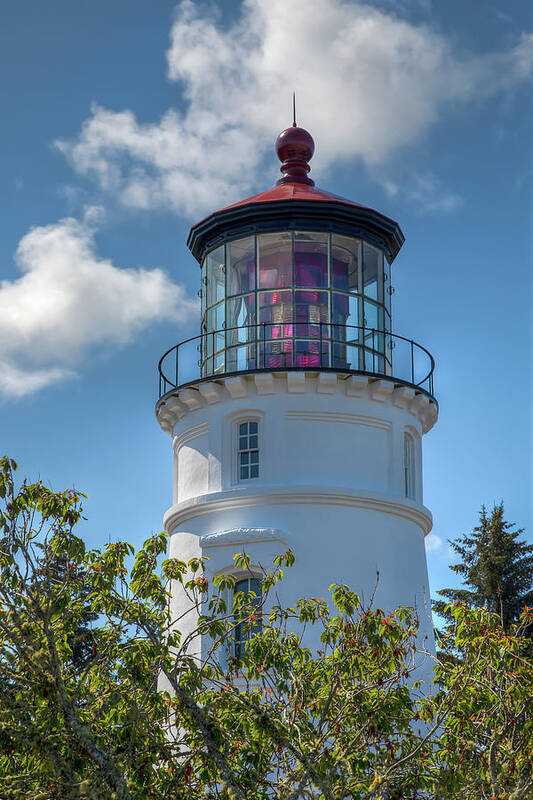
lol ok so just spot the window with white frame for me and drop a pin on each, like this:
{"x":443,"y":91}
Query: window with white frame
{"x":247,"y":627}
{"x":409,"y":465}
{"x":247,"y":449}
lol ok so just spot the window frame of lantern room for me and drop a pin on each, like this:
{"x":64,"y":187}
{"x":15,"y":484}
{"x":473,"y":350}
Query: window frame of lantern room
{"x":246,"y":420}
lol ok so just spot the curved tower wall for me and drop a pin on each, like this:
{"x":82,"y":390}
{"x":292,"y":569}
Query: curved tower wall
{"x":331,"y":485}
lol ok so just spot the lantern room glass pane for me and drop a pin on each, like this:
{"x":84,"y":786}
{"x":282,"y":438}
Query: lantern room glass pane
{"x":275,"y":314}
{"x":345,"y":308}
{"x":374,"y":341}
{"x":214,"y":342}
{"x":216,"y":276}
{"x":275,"y":260}
{"x":203,"y":286}
{"x":241,"y":358}
{"x":311,"y":259}
{"x":240,"y":327}
{"x":241,"y":261}
{"x":276,"y":354}
{"x":344,"y":263}
{"x":311,"y":313}
{"x":347,"y":334}
{"x":345,"y":355}
{"x":387,"y":284}
{"x":216,"y":318}
{"x":373,"y":316}
{"x":241,"y":315}
{"x":373,"y":272}
{"x":311,"y":353}
{"x":219,"y":362}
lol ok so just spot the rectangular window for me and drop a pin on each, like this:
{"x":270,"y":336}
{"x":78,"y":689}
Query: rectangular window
{"x":245,"y":630}
{"x":248,"y":450}
{"x":409,"y":465}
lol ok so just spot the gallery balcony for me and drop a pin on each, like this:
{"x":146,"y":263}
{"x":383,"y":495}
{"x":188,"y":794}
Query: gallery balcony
{"x":297,"y":346}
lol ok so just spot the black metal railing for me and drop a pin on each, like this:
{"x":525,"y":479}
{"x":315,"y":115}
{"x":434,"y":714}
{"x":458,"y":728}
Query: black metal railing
{"x":298,"y":346}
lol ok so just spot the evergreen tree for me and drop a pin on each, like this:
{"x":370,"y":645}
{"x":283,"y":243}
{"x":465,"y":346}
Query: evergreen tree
{"x":496,"y":567}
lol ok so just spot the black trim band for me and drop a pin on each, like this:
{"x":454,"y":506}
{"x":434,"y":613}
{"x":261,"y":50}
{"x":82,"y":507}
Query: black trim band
{"x":283,"y":215}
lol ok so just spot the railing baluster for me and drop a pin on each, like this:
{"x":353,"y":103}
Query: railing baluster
{"x":412,"y":363}
{"x":201,"y":355}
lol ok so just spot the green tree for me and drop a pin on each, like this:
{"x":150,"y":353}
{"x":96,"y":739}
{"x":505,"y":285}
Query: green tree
{"x":80,"y":639}
{"x":485,"y":747}
{"x":281,"y":721}
{"x":496,"y":567}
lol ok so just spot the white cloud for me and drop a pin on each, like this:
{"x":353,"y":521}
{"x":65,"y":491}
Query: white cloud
{"x":433,"y":543}
{"x":68,"y":300}
{"x":367,"y":83}
{"x":426,"y":192}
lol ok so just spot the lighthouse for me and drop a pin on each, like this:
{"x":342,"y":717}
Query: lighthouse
{"x":297,"y":413}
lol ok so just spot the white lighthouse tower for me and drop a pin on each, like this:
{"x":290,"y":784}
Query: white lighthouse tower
{"x":296,"y":414}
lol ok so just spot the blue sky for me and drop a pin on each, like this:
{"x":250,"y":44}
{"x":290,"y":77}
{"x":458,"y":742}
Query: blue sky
{"x":125,"y":122}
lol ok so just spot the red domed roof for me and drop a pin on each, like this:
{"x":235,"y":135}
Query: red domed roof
{"x":295,"y":203}
{"x":294,"y":191}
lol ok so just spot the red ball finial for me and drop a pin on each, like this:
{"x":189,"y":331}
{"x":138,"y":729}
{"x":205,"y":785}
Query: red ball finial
{"x":295,"y":148}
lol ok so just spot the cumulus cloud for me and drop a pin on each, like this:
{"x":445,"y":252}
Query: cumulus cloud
{"x":367,"y":83}
{"x":68,"y":300}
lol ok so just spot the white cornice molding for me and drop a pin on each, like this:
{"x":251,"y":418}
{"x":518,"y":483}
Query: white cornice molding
{"x":217,"y":502}
{"x":381,"y":390}
{"x":189,"y":435}
{"x":337,"y":416}
{"x":243,"y":536}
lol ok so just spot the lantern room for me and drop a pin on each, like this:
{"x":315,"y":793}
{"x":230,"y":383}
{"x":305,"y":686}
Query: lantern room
{"x":297,"y":299}
{"x":296,"y":278}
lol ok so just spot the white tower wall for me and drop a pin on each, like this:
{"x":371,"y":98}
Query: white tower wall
{"x":331,"y":484}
